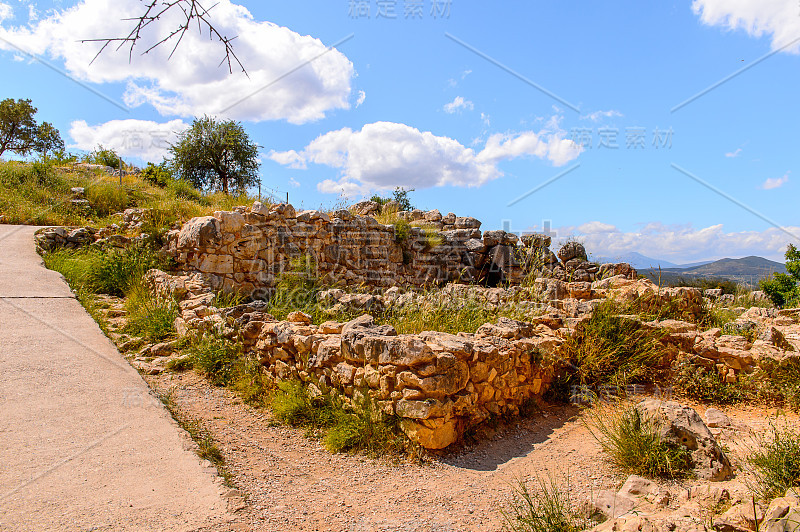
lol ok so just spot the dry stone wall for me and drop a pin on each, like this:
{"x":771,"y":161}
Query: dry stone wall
{"x":247,"y":249}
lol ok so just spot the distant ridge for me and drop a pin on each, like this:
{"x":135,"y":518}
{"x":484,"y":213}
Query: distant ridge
{"x":747,"y":270}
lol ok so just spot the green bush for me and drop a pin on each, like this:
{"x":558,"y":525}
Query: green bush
{"x":184,"y":190}
{"x":783,"y":288}
{"x":633,"y":443}
{"x":103,"y":156}
{"x":216,"y":358}
{"x":157,"y":175}
{"x":107,"y":198}
{"x":117,"y":271}
{"x":402,"y":231}
{"x":776,"y":462}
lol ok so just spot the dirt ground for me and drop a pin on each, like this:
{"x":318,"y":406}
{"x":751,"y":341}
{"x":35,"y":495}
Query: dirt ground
{"x":290,"y":482}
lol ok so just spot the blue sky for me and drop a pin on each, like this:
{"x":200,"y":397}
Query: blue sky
{"x":472,"y":104}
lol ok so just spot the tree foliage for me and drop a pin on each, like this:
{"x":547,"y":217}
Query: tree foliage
{"x":782,"y":288}
{"x":21,"y":134}
{"x":215,"y":154}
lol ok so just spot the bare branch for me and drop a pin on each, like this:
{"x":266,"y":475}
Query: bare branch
{"x":192,"y":10}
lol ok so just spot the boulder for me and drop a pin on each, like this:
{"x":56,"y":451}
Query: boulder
{"x":572,"y":250}
{"x":366,"y":208}
{"x":200,"y":233}
{"x":682,"y":425}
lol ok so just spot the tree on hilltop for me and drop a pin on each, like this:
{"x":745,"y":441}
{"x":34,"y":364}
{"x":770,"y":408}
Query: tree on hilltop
{"x":21,"y":134}
{"x":215,"y":154}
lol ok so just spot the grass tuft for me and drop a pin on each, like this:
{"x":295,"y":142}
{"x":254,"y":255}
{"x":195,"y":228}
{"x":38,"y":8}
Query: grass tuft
{"x":216,"y":358}
{"x":149,"y":315}
{"x":633,"y":443}
{"x":776,"y":462}
{"x":545,"y":509}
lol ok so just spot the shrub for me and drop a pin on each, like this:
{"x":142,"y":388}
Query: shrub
{"x":546,"y":509}
{"x":402,"y":231}
{"x":434,"y":311}
{"x":776,"y":381}
{"x":776,"y":462}
{"x":149,"y":315}
{"x":184,"y":190}
{"x":157,"y":175}
{"x":782,"y":288}
{"x":633,"y":443}
{"x":216,"y":358}
{"x":103,"y":156}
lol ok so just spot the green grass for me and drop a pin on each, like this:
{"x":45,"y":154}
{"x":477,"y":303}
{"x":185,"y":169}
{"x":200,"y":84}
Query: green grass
{"x":707,"y":386}
{"x":216,"y":358}
{"x":633,"y":444}
{"x":776,"y":462}
{"x":39,"y":194}
{"x":342,"y":429}
{"x":432,"y":311}
{"x":150,"y":316}
{"x":546,"y":508}
{"x":107,"y":271}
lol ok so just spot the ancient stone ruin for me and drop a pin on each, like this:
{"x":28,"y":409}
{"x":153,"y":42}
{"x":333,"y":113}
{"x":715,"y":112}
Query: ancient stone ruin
{"x":245,"y":250}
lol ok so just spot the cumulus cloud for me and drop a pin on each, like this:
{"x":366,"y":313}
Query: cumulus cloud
{"x":361,"y":97}
{"x":775,"y":182}
{"x":192,"y":82}
{"x":599,"y":115}
{"x":458,"y":104}
{"x":734,"y":154}
{"x":384,"y":155}
{"x":6,"y":12}
{"x":681,"y":243}
{"x":775,"y":18}
{"x":143,"y":139}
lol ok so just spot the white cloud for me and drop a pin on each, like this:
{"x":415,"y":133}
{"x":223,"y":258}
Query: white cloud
{"x":734,"y":154}
{"x":776,"y":18}
{"x":599,"y":115}
{"x":775,"y":182}
{"x":384,"y":155}
{"x":486,"y":119}
{"x":193,"y":83}
{"x":361,"y":97}
{"x":294,"y":183}
{"x":681,"y":244}
{"x":130,"y":138}
{"x":6,"y":12}
{"x":458,"y":104}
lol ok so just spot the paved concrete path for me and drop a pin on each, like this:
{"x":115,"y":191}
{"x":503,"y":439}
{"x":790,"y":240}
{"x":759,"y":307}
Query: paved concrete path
{"x":83,"y":443}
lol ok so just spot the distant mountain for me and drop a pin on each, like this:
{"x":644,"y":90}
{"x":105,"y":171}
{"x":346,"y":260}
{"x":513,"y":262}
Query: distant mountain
{"x":747,"y":270}
{"x":639,"y":261}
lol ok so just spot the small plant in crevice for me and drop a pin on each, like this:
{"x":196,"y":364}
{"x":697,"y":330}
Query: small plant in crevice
{"x":544,"y":507}
{"x":775,"y":461}
{"x":633,"y":443}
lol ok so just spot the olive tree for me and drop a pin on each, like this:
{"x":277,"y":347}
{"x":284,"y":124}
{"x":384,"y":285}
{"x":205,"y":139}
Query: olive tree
{"x":215,"y":155}
{"x":21,"y":134}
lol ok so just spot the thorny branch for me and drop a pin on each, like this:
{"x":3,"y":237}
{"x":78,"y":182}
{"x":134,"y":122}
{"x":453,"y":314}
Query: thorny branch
{"x":191,"y":10}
